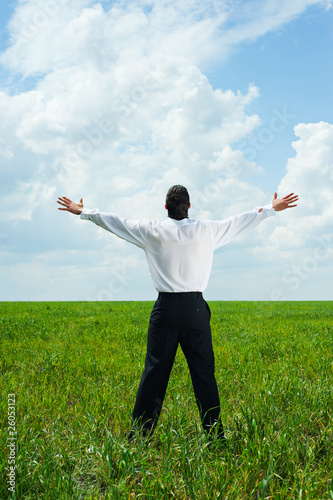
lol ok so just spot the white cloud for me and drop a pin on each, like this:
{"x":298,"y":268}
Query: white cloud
{"x":47,"y":36}
{"x":309,"y":174}
{"x":27,"y":198}
{"x":5,"y":150}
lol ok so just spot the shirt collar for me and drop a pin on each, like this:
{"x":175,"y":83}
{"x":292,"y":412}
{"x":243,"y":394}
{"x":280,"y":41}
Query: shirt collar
{"x":181,"y":222}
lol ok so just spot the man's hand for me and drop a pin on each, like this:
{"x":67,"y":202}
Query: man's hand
{"x":73,"y":208}
{"x":285,"y":202}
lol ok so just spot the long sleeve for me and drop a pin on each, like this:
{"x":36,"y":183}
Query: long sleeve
{"x":133,"y":231}
{"x":229,"y":229}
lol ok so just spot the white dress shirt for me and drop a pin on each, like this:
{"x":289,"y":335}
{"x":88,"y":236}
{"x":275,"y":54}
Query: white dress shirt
{"x":179,"y":253}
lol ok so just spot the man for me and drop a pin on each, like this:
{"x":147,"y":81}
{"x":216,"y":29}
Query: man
{"x":179,"y":252}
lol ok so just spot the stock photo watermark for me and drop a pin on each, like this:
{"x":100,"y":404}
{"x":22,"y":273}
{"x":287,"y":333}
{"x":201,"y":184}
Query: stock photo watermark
{"x":298,"y":273}
{"x":249,"y":148}
{"x":118,"y":282}
{"x":11,"y":442}
{"x":266,"y":135}
{"x":39,"y":20}
{"x":123,"y":107}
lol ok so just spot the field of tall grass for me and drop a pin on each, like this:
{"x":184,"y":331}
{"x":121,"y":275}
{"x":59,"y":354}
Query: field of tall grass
{"x":72,"y":371}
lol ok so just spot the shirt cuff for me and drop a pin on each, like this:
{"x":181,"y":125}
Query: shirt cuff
{"x":86,"y":212}
{"x":267,"y":209}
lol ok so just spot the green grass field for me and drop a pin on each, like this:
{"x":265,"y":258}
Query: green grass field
{"x":74,"y":369}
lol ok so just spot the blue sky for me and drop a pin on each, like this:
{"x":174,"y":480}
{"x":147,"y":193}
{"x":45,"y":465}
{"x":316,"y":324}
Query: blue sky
{"x":117,"y":101}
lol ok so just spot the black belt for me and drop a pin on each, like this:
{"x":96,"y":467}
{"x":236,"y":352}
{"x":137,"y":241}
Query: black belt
{"x":179,"y":294}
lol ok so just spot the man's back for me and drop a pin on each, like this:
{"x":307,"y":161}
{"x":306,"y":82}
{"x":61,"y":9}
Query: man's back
{"x":180,"y":254}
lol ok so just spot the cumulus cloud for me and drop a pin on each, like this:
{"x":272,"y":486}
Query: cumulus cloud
{"x":309,"y":174}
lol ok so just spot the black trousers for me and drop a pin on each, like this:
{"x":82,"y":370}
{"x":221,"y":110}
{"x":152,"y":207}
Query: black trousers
{"x":178,"y":318}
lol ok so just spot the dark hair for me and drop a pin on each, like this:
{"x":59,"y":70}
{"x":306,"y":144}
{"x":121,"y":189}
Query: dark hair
{"x":177,"y":202}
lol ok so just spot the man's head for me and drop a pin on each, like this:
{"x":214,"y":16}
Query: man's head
{"x":177,"y":202}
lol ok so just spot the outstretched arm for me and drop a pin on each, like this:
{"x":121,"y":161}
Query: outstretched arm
{"x":130,"y":230}
{"x":73,"y":208}
{"x":229,"y":229}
